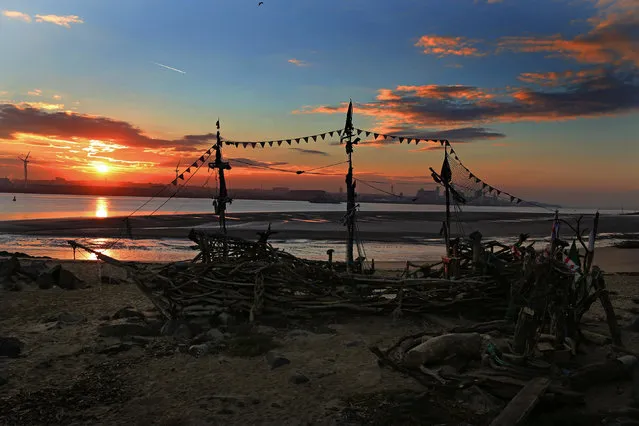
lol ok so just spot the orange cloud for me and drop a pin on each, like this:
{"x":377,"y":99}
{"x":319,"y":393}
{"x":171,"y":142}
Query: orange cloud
{"x":448,"y":46}
{"x":613,"y":39}
{"x":35,"y":92}
{"x":298,"y":62}
{"x":63,"y":21}
{"x":12,"y":14}
{"x":42,"y":105}
{"x":553,"y":79}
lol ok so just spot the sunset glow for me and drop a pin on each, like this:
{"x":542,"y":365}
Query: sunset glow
{"x":515,"y":86}
{"x":101,"y":207}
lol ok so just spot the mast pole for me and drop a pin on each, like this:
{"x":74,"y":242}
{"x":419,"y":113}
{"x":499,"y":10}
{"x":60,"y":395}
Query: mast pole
{"x":446,"y":182}
{"x":222,"y":198}
{"x":350,"y":188}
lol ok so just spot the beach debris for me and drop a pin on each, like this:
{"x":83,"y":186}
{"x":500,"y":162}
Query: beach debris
{"x":276,"y":360}
{"x":11,"y":347}
{"x":523,"y":403}
{"x":437,"y":349}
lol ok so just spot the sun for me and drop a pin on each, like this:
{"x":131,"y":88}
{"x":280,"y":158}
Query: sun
{"x":101,"y":167}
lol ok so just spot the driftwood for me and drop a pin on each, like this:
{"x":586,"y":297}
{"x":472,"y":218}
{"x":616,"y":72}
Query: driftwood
{"x":522,"y":404}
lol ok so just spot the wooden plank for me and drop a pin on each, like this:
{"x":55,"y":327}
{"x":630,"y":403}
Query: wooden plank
{"x":523,"y":403}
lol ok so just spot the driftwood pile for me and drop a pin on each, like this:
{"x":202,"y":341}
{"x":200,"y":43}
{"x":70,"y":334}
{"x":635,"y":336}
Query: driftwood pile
{"x":530,"y":354}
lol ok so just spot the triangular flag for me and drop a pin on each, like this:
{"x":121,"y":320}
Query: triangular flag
{"x":288,"y":141}
{"x":477,"y":180}
{"x":359,"y":132}
{"x":237,"y":144}
{"x":279,"y":143}
{"x":441,"y":142}
{"x":490,"y":189}
{"x":417,"y":141}
{"x":208,"y":152}
{"x":484,"y":185}
{"x":245,"y":144}
{"x":368,"y":134}
{"x":401,"y":140}
{"x":384,"y":136}
{"x":314,"y":138}
{"x":253,"y":144}
{"x":181,"y":176}
{"x":376,"y":135}
{"x":323,"y":135}
{"x":202,"y":158}
{"x":270,"y":143}
{"x":518,"y":200}
{"x":174,"y":182}
{"x":392,"y":137}
{"x":306,"y":139}
{"x":452,"y":151}
{"x":446,"y":142}
{"x":498,"y":192}
{"x":262,"y":143}
{"x":512,"y":198}
{"x":297,"y":140}
{"x":409,"y":140}
{"x":194,"y":164}
{"x":331,"y":133}
{"x":339,"y":133}
{"x":188,"y":170}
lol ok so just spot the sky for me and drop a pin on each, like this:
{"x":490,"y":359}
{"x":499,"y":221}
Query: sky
{"x":539,"y":99}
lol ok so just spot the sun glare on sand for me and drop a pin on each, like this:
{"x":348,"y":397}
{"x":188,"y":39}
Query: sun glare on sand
{"x":101,"y":168}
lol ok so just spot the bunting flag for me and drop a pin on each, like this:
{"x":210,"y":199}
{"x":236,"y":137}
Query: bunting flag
{"x":297,"y":140}
{"x":314,"y":138}
{"x":270,"y":143}
{"x":237,"y":144}
{"x":253,"y":145}
{"x":323,"y":135}
{"x":339,"y":133}
{"x":359,"y":132}
{"x":174,"y":183}
{"x":331,"y":134}
{"x":262,"y":144}
{"x":401,"y":140}
{"x":245,"y":144}
{"x":376,"y":135}
{"x":484,"y":185}
{"x":306,"y":139}
{"x":441,"y":142}
{"x":512,"y":198}
{"x":417,"y":141}
{"x":194,"y":164}
{"x":208,"y":152}
{"x":279,"y":143}
{"x":288,"y":141}
{"x":181,"y":176}
{"x":188,"y":170}
{"x":573,"y":254}
{"x":477,"y":180}
{"x":368,"y":134}
{"x":202,"y":158}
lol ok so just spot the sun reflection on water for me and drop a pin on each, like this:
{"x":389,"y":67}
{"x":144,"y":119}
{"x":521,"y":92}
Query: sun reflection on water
{"x":101,"y":207}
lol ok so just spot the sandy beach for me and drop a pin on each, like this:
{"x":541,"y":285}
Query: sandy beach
{"x":71,"y":373}
{"x":374,"y":226}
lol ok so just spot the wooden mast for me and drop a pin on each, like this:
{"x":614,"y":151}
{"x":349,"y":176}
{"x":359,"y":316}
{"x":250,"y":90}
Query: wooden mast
{"x":222,"y":197}
{"x":350,"y":187}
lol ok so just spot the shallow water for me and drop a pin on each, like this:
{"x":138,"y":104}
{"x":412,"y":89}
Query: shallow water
{"x":47,"y":206}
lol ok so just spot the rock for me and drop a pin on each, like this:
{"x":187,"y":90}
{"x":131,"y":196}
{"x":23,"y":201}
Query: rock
{"x":463,"y":345}
{"x":125,"y":329}
{"x":276,"y":405}
{"x":34,"y":270}
{"x":354,"y":344}
{"x":128,"y":312}
{"x":10,"y":347}
{"x":298,"y":378}
{"x":66,"y":318}
{"x":8,"y":268}
{"x":45,"y":281}
{"x":115,"y":349}
{"x":68,"y":281}
{"x":276,"y":360}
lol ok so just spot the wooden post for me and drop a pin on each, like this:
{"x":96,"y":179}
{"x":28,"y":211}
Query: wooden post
{"x":591,"y":245}
{"x":223,"y":197}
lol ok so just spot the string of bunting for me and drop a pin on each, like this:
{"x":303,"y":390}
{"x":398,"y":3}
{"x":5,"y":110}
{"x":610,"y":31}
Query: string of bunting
{"x":401,"y":139}
{"x":484,"y":185}
{"x":279,"y":142}
{"x":196,"y":164}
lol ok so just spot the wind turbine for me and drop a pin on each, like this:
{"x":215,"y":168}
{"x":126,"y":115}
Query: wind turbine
{"x":25,"y":160}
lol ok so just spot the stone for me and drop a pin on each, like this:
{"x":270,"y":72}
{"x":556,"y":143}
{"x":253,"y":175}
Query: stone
{"x":298,"y":378}
{"x":276,"y":360}
{"x":68,"y":281}
{"x":10,"y":347}
{"x":115,"y":349}
{"x":8,"y":268}
{"x":128,"y":312}
{"x":462,"y":345}
{"x":45,"y":281}
{"x":354,"y":344}
{"x":65,"y":318}
{"x":34,"y":270}
{"x":124,"y":329}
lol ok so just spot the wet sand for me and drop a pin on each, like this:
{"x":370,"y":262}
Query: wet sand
{"x":373,"y":226}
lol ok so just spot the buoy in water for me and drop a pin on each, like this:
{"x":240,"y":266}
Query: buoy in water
{"x":14,"y":198}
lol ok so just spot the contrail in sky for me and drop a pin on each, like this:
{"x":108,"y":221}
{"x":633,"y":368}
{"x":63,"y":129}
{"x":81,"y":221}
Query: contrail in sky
{"x":170,"y":68}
